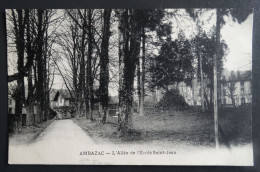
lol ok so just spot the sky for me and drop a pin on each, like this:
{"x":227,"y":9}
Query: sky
{"x":238,"y":37}
{"x":239,"y":40}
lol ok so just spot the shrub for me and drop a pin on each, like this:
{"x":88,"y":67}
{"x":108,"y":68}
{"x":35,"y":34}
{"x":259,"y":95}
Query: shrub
{"x":172,"y":100}
{"x":65,"y":109}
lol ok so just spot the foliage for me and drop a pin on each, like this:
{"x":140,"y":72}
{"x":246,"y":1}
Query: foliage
{"x":231,"y":86}
{"x":173,"y":64}
{"x":172,"y":100}
{"x":205,"y":46}
{"x":65,"y":109}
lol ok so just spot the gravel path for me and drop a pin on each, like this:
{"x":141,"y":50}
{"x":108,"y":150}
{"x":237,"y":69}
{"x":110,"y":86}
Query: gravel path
{"x":59,"y":143}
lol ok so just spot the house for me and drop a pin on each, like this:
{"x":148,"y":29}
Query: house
{"x":239,"y":83}
{"x":11,"y":105}
{"x":11,"y":108}
{"x":62,"y":98}
{"x":241,"y":93}
{"x":237,"y":86}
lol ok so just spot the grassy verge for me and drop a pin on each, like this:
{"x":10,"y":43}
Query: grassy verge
{"x":28,"y":133}
{"x":99,"y":132}
{"x":177,"y":127}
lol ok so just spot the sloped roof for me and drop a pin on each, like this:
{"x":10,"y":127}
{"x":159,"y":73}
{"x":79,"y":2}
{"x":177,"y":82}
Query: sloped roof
{"x":53,"y":93}
{"x":62,"y":92}
{"x":65,"y":93}
{"x":247,"y":75}
{"x":244,"y":76}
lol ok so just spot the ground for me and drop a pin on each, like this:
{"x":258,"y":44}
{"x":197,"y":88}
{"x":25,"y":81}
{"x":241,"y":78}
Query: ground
{"x":179,"y":127}
{"x":177,"y":136}
{"x":28,"y":134}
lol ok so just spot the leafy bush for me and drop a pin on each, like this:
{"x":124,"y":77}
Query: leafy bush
{"x":172,"y":100}
{"x":65,"y":109}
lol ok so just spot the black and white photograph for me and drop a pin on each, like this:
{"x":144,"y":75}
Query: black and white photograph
{"x":165,"y":86}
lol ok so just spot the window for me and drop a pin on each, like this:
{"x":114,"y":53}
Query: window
{"x":242,"y":83}
{"x":10,"y":101}
{"x":243,"y":100}
{"x":242,"y":91}
{"x":10,"y":111}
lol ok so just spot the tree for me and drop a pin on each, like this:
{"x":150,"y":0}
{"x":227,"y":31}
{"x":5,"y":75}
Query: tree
{"x":41,"y":59}
{"x":89,"y":75}
{"x":20,"y":20}
{"x":129,"y":49}
{"x":238,"y":15}
{"x":231,"y":85}
{"x":104,"y":65}
{"x":30,"y":35}
{"x":150,"y":21}
{"x":204,"y":44}
{"x":30,"y":50}
{"x":73,"y":41}
{"x":93,"y":19}
{"x":173,"y":64}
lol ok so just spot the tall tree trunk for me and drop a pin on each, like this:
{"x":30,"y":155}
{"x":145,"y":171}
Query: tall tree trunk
{"x":206,"y":99}
{"x":20,"y":46}
{"x":104,"y":66}
{"x":30,"y":102}
{"x":193,"y":93}
{"x":211,"y":94}
{"x":123,"y":51}
{"x":89,"y":67}
{"x":216,"y":55}
{"x":143,"y":73}
{"x":45,"y":79}
{"x":30,"y":99}
{"x":129,"y":56}
{"x":138,"y":73}
{"x":201,"y":82}
{"x":121,"y":54}
{"x":40,"y":67}
{"x":82,"y":92}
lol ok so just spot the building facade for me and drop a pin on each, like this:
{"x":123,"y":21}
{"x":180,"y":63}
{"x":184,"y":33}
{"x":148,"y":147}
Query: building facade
{"x":236,"y":90}
{"x":62,"y":98}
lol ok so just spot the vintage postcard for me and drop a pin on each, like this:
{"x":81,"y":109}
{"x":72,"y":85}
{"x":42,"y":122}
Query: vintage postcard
{"x":130,"y":86}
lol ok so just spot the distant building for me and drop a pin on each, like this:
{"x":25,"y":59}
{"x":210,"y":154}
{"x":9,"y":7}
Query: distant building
{"x":11,"y":106}
{"x":61,"y":98}
{"x":242,"y":83}
{"x":11,"y":110}
{"x":237,"y":86}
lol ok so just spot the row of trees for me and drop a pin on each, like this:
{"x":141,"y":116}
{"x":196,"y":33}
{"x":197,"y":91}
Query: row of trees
{"x":94,"y":48}
{"x":29,"y":41}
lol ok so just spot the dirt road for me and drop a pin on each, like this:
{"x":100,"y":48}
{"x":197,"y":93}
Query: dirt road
{"x":58,"y":143}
